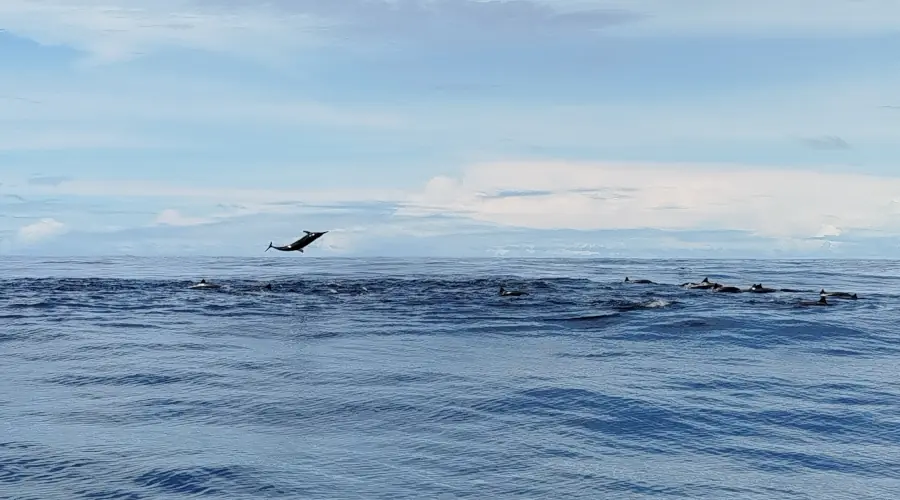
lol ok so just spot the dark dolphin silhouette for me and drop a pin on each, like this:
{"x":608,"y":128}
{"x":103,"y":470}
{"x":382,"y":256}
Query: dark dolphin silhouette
{"x":820,"y":302}
{"x":843,"y":295}
{"x":642,"y":282}
{"x":204,"y":284}
{"x":510,"y":293}
{"x":703,"y":285}
{"x":300,"y":244}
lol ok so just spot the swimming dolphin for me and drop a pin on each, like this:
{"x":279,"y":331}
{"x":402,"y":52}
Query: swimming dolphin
{"x":510,"y":293}
{"x":642,"y":282}
{"x":726,"y":289}
{"x":204,"y":284}
{"x":759,"y":288}
{"x":703,"y":285}
{"x":300,"y":244}
{"x":820,"y":302}
{"x":843,"y":295}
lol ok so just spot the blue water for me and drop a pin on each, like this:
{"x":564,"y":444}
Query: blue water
{"x":391,"y":379}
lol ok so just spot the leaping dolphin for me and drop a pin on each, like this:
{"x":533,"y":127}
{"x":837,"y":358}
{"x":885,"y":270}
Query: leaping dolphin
{"x":300,"y":244}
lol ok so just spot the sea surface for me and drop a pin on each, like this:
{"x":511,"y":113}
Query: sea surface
{"x":397,"y":379}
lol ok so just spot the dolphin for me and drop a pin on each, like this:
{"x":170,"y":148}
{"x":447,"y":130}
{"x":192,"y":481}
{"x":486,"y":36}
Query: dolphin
{"x":820,"y":302}
{"x":204,"y":284}
{"x":510,"y":293}
{"x":642,"y":282}
{"x":843,"y":295}
{"x":300,"y":244}
{"x":703,"y":285}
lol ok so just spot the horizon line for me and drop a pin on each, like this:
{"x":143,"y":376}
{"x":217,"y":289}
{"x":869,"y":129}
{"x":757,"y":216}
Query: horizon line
{"x":436,"y":257}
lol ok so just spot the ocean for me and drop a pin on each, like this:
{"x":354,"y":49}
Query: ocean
{"x":401,"y":379}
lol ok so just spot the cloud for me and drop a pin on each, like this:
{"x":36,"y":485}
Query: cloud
{"x":18,"y":99}
{"x":41,"y":230}
{"x":11,"y":197}
{"x":244,"y":200}
{"x":629,"y":17}
{"x":764,"y":116}
{"x":504,"y":208}
{"x":187,"y":100}
{"x":53,"y":138}
{"x":761,"y":18}
{"x":460,"y":20}
{"x":118,"y":30}
{"x":273,"y":32}
{"x":50,"y":180}
{"x":764,"y":201}
{"x":768,"y":202}
{"x":172,"y":217}
{"x":827,"y":143}
{"x":361,"y":233}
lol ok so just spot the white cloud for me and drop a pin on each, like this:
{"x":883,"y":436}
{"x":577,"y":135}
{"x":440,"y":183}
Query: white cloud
{"x":777,"y":203}
{"x":835,"y":18}
{"x":116,"y":30}
{"x":246,"y":200}
{"x":40,"y":230}
{"x":805,"y":210}
{"x":172,"y":217}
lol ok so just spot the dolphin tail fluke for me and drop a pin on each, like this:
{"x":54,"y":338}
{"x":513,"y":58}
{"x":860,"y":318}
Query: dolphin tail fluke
{"x":270,"y":246}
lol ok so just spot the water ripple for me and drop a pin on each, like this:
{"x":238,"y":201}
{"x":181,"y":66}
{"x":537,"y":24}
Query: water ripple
{"x":414,"y":379}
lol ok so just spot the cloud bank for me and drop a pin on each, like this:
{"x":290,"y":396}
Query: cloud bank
{"x":606,"y":196}
{"x":39,"y":231}
{"x":578,"y":208}
{"x":120,"y":30}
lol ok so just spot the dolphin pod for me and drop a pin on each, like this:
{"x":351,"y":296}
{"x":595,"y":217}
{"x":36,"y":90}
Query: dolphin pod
{"x":706,"y":284}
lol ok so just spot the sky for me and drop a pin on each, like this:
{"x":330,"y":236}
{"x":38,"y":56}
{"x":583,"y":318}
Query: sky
{"x":470,"y":128}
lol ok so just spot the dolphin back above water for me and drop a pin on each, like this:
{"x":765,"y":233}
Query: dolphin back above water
{"x":511,"y":293}
{"x":820,"y":302}
{"x":843,"y":295}
{"x":204,"y":284}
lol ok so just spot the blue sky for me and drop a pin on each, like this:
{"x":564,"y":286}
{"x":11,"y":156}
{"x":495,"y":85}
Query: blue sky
{"x":456,"y":128}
